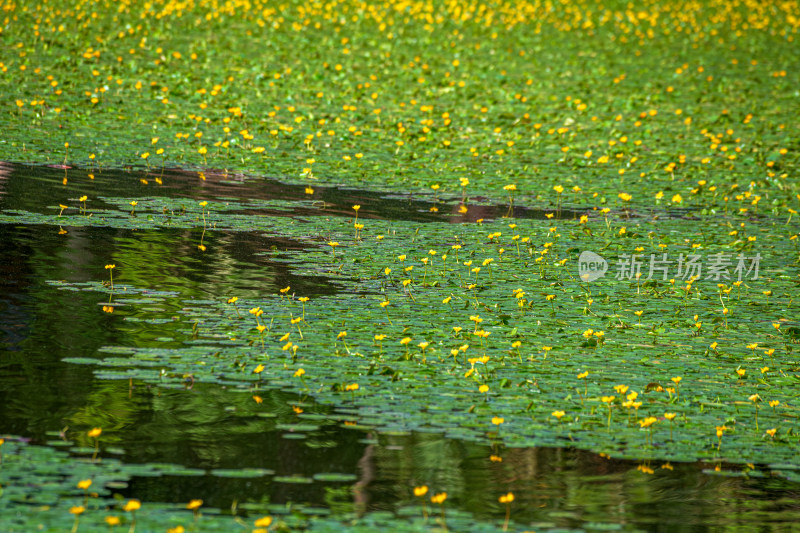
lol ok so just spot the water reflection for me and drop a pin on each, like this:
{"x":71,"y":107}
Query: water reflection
{"x":38,"y":188}
{"x":40,"y":325}
{"x":554,"y":487}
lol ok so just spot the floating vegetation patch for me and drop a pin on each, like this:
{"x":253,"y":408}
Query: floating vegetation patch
{"x":486,"y":332}
{"x":450,"y":99}
{"x":483,"y":332}
{"x":514,"y":226}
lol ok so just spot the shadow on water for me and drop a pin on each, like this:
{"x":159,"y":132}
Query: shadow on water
{"x":211,"y":428}
{"x":25,"y":186}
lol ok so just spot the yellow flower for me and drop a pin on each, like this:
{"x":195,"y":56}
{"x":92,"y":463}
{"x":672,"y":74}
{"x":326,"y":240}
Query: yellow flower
{"x":625,"y":197}
{"x":76,"y":510}
{"x":258,"y":369}
{"x":299,"y":373}
{"x":265,"y":521}
{"x":420,"y":491}
{"x":352,"y":387}
{"x":94,"y":433}
{"x":194,"y":504}
{"x":132,"y":505}
{"x":112,"y":520}
{"x":558,"y":414}
{"x":84,"y":484}
{"x":670,"y":416}
{"x":647,"y":422}
{"x":506,"y":498}
{"x":439,"y":498}
{"x":644,"y":469}
{"x":497,"y":420}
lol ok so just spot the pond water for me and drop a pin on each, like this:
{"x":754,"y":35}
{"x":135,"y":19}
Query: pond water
{"x":289,"y":451}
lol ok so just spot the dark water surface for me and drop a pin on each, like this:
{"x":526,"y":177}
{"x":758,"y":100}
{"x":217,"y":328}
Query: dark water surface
{"x":210,"y":427}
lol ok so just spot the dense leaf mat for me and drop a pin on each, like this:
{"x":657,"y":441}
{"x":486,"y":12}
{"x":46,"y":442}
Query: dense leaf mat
{"x":426,"y":315}
{"x":659,"y":128}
